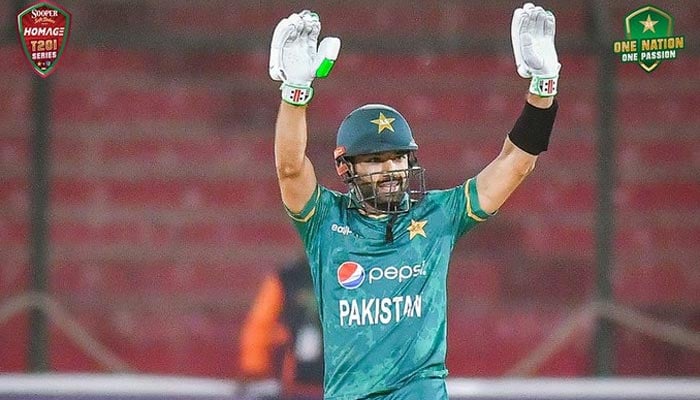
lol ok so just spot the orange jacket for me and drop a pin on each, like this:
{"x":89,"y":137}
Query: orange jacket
{"x":266,"y":351}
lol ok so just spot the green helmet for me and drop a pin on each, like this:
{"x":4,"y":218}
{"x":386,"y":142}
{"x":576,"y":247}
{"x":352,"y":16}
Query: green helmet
{"x":371,"y":129}
{"x":374,"y":128}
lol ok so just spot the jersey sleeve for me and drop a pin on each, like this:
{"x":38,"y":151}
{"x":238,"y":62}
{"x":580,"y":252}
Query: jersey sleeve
{"x":466,"y":210}
{"x":307,"y":221}
{"x":474,"y":212}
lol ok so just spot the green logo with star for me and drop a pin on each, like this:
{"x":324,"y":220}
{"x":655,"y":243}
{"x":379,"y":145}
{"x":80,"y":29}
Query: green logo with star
{"x":649,"y":38}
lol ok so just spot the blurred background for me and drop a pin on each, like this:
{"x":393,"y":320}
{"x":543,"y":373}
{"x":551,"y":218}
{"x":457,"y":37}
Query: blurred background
{"x":139,"y":209}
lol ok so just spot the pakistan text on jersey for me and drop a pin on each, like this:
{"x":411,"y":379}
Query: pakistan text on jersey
{"x":361,"y":312}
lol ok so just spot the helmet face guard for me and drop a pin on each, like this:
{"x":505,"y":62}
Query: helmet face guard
{"x":387,"y":192}
{"x":373,"y":129}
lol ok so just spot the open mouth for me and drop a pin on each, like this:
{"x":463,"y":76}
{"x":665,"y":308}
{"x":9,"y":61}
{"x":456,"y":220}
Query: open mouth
{"x":389,"y":185}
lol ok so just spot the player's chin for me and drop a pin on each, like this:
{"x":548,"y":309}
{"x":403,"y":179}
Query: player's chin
{"x":389,"y":199}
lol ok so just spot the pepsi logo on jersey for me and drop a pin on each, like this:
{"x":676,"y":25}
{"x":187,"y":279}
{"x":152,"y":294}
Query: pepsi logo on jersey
{"x":351,"y":275}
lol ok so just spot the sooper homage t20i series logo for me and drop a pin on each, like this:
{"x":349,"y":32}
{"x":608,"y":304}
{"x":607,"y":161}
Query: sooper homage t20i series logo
{"x":650,"y":40}
{"x":43,"y":32}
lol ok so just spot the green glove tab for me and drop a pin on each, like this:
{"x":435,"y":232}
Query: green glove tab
{"x":325,"y":68}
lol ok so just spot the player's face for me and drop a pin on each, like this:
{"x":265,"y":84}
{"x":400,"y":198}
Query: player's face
{"x":384,"y":176}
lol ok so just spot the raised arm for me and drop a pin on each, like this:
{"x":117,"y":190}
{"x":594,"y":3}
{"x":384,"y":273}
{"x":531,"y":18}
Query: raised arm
{"x":532,"y":34}
{"x":295,"y":61}
{"x":295,"y":173}
{"x":503,"y":175}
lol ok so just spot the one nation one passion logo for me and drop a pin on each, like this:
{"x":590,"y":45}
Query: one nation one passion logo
{"x":43,"y":32}
{"x":650,"y":39}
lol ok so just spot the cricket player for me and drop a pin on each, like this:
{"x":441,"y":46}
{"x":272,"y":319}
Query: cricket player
{"x":379,"y":253}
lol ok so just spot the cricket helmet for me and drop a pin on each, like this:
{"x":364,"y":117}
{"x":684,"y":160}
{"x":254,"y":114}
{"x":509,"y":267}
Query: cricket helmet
{"x":372,"y":129}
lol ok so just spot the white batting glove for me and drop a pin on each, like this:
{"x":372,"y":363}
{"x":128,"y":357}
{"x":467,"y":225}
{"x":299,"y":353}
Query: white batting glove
{"x":294,"y":58}
{"x":532,"y":33}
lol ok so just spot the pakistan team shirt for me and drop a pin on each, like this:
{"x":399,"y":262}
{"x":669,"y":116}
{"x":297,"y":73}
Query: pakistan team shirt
{"x":383,"y":304}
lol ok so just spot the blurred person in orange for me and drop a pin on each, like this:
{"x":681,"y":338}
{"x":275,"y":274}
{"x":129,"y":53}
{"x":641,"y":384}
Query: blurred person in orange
{"x":281,"y":344}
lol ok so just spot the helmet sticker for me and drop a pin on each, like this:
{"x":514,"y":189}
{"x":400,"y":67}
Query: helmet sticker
{"x":383,"y":123}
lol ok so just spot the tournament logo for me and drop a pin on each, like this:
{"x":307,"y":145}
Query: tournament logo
{"x":650,"y":39}
{"x":43,"y":32}
{"x":351,"y":275}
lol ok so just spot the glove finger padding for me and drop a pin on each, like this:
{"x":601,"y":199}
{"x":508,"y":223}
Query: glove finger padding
{"x":519,"y":17}
{"x":550,"y":25}
{"x":278,"y":37}
{"x":285,"y":31}
{"x":308,"y":33}
{"x":312,"y":24}
{"x":531,"y":53}
{"x":542,"y":35}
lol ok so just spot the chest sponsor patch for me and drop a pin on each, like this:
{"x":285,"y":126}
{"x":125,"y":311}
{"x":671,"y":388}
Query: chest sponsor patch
{"x":351,"y":275}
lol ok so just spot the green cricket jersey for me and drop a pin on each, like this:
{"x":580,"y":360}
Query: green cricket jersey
{"x":383,"y":305}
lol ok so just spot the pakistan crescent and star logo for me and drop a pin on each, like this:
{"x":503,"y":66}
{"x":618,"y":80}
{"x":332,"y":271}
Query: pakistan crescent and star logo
{"x":416,"y":228}
{"x":649,"y":24}
{"x":383,"y":123}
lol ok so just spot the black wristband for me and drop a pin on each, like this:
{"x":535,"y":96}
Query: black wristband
{"x":532,"y":129}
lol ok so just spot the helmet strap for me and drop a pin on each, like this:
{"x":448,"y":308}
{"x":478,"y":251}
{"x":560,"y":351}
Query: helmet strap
{"x":389,"y":235}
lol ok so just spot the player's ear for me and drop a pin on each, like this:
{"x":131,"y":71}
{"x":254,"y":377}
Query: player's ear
{"x":412,"y":159}
{"x":345,"y":167}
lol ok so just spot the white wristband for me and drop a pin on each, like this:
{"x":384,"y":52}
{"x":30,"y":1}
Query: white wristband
{"x":296,"y":95}
{"x":544,"y":86}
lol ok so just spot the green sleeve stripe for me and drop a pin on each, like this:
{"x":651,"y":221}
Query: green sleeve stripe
{"x":309,"y":210}
{"x":474,"y":210}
